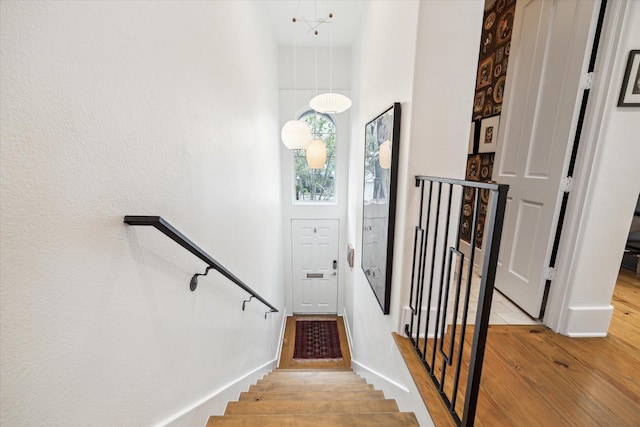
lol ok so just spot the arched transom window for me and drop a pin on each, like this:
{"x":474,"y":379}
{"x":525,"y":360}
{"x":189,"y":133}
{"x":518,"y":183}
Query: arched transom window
{"x":317,"y":185}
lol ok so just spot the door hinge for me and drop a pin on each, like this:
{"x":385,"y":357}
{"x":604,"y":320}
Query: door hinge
{"x":566,"y":184}
{"x":587,"y":80}
{"x":548,"y":273}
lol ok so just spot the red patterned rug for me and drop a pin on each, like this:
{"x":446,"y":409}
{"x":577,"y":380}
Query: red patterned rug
{"x":317,"y":339}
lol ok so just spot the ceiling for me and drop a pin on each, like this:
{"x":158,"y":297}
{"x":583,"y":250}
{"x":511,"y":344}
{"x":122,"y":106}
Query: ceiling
{"x":342,"y":28}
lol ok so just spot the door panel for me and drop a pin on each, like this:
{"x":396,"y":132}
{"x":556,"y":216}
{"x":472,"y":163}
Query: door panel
{"x":526,"y":231}
{"x":314,"y":247}
{"x":547,"y":60}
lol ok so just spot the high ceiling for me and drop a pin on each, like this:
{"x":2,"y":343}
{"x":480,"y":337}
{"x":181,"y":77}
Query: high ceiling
{"x":341,"y":28}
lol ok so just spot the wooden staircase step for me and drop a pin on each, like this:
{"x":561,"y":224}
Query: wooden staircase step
{"x":297,"y":388}
{"x":310,"y":395}
{"x":311,"y":380}
{"x":313,"y":373}
{"x":386,"y":419}
{"x":310,"y":407}
{"x":312,"y":398}
{"x":324,"y":370}
{"x":309,"y":375}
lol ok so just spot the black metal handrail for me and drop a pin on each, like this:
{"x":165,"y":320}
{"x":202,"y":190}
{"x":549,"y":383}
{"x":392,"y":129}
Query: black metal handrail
{"x":438,"y":338}
{"x":182,"y":240}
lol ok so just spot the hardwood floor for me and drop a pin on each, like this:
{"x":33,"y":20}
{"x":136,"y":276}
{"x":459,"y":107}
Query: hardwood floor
{"x":534,"y":377}
{"x":288,"y":346}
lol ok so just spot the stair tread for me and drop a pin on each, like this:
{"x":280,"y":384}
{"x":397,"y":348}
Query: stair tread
{"x":308,"y":374}
{"x":310,"y":407}
{"x":387,"y":419}
{"x":310,"y":387}
{"x":312,"y":380}
{"x":311,"y":395}
{"x":335,"y":369}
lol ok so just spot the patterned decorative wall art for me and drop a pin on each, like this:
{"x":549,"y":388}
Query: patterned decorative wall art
{"x":495,"y":46}
{"x":493,"y":62}
{"x":479,"y":168}
{"x":488,"y":140}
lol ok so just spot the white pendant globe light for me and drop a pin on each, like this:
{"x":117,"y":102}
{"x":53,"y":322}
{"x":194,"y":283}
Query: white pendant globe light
{"x":384,"y":156}
{"x":296,"y":135}
{"x":316,"y":154}
{"x":330,"y":103}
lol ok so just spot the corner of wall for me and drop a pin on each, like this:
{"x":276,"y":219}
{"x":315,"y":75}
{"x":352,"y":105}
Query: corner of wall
{"x":588,"y":321}
{"x":406,"y":393}
{"x":216,"y":402}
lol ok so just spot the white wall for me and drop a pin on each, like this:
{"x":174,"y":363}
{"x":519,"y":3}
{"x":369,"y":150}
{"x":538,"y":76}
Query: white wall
{"x":384,"y":54}
{"x":433,"y":76}
{"x":296,"y":90}
{"x":306,"y":72}
{"x":115,"y":108}
{"x":606,"y":190}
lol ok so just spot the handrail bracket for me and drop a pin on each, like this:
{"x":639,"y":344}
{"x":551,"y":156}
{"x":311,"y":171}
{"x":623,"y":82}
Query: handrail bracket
{"x":167,"y":229}
{"x":193,"y":285}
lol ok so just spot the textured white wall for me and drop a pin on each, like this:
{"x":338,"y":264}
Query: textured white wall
{"x":435,"y":88}
{"x":334,"y":66}
{"x":385,"y":55}
{"x":424,"y":55}
{"x":114,"y":108}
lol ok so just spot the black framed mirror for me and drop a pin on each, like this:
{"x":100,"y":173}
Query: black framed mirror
{"x":382,"y":138}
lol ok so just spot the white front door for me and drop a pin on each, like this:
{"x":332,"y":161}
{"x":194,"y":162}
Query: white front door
{"x":542,"y":96}
{"x":314,"y":248}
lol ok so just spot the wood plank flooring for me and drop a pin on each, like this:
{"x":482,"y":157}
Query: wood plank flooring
{"x":288,"y":346}
{"x":534,"y":377}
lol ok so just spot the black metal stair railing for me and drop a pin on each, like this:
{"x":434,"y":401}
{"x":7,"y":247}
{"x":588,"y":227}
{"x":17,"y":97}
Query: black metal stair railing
{"x":166,"y":228}
{"x":442,"y":284}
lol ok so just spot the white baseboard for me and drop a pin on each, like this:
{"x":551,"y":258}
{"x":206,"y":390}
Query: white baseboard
{"x":407,"y":396}
{"x":588,"y":321}
{"x":280,"y":341}
{"x":345,"y":319}
{"x":359,"y":368}
{"x":406,"y":320}
{"x":586,"y":335}
{"x":216,"y":402}
{"x":198,"y":413}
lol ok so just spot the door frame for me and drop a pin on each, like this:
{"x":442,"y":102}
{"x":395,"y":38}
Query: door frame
{"x":569,"y":72}
{"x":290,"y":291}
{"x":603,"y":88}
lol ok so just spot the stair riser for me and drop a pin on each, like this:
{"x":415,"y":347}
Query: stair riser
{"x":311,"y":407}
{"x":302,"y":381}
{"x":311,"y":387}
{"x":399,"y":419}
{"x":326,"y":395}
{"x":311,"y":373}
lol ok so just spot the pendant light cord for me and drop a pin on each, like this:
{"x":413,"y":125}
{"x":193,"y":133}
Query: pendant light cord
{"x":295,"y":73}
{"x":316,"y":115}
{"x":330,"y":56}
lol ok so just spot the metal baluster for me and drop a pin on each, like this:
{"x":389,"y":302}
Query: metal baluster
{"x":423,"y":256}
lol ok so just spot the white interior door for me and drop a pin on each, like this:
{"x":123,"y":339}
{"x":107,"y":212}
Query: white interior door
{"x":542,"y":95}
{"x":314,"y":249}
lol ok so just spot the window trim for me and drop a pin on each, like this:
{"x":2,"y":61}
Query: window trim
{"x":308,"y":112}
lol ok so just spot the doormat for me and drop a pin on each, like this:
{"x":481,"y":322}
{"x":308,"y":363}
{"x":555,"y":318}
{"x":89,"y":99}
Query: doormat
{"x":317,"y":339}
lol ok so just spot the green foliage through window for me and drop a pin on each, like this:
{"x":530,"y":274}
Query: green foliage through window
{"x":317,"y":184}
